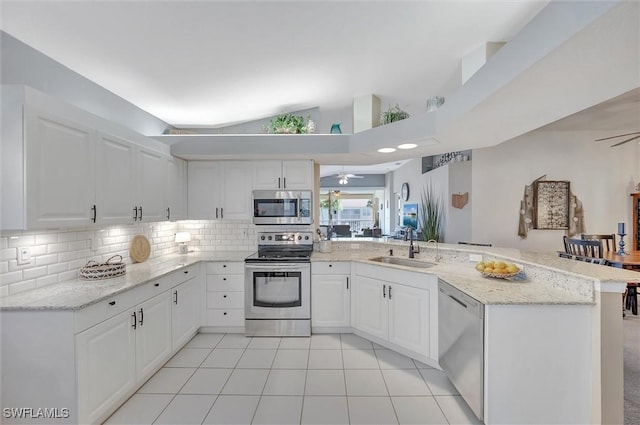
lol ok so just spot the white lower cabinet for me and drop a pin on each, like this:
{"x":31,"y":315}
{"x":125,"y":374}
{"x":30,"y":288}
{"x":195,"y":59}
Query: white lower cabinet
{"x":371,"y":307}
{"x":153,"y":334}
{"x":106,"y":366}
{"x":115,"y":355}
{"x":330,"y":295}
{"x":397,"y":306}
{"x":185,"y":312}
{"x":225,"y":295}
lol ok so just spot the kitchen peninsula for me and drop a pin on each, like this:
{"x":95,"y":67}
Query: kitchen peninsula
{"x":551,"y":339}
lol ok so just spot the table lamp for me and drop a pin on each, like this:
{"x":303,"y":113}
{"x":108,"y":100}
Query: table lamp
{"x":182,"y":238}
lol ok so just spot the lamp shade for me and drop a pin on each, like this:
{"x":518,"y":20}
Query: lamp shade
{"x":183,"y":237}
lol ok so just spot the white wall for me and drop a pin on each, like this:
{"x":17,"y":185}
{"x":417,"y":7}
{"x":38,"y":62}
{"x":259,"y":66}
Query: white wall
{"x":601,"y":177}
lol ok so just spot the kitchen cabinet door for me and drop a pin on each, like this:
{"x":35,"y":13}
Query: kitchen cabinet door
{"x":267,"y":175}
{"x":115,"y":174}
{"x":371,"y":308}
{"x":330,"y":301}
{"x":153,"y":334}
{"x":152,"y":181}
{"x":235,"y":190}
{"x":203,"y":198}
{"x":297,"y":175}
{"x":60,"y":182}
{"x":284,"y":175}
{"x":185,"y":308}
{"x":176,"y":189}
{"x":106,"y":366}
{"x":409,"y":318}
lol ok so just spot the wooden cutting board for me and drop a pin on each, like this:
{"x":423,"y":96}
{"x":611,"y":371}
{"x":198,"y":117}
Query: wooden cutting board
{"x":139,"y":249}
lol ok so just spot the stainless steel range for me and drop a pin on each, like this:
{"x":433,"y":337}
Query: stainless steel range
{"x":278,"y":285}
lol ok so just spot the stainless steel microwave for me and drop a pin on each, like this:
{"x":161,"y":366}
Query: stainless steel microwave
{"x":282,"y":207}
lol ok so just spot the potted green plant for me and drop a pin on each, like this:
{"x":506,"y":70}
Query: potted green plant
{"x":432,"y":217}
{"x":289,"y":124}
{"x":394,"y":113}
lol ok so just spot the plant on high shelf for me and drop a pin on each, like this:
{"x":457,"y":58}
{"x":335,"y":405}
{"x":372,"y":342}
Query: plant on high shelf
{"x":290,"y":124}
{"x":394,"y":113}
{"x":432,"y":217}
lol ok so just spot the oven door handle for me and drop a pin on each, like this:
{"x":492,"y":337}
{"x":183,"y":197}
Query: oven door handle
{"x":299,"y":206}
{"x":277,"y":267}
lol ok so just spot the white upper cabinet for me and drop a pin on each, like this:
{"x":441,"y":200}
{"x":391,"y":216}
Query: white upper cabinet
{"x":176,"y":189}
{"x":115,"y":170}
{"x":64,"y":167}
{"x":152,"y":187}
{"x":60,"y":177}
{"x":291,"y":175}
{"x":219,"y":189}
{"x":130,"y":182}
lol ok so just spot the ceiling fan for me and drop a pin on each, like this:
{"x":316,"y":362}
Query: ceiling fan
{"x":343,"y":178}
{"x":635,"y":134}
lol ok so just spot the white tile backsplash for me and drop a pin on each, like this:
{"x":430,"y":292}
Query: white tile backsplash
{"x":56,"y":256}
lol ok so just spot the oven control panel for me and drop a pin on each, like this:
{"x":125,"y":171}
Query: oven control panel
{"x":285,"y":238}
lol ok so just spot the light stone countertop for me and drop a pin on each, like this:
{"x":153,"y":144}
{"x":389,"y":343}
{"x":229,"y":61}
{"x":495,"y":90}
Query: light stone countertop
{"x":77,"y":294}
{"x":548,"y":278}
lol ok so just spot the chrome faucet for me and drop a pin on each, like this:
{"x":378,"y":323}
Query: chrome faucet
{"x":412,"y":249}
{"x":437,"y":257}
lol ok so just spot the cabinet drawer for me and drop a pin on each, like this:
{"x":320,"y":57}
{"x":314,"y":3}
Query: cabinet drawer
{"x":225,"y":300}
{"x":103,"y":310}
{"x":182,"y":275}
{"x":330,"y":267}
{"x":225,"y":317}
{"x":228,"y":267}
{"x":225,"y":282}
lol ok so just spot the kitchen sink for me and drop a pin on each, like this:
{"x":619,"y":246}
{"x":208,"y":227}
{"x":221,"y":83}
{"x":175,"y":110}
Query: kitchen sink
{"x":403,"y":262}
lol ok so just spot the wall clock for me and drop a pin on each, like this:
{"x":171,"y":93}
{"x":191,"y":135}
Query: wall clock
{"x":405,"y":191}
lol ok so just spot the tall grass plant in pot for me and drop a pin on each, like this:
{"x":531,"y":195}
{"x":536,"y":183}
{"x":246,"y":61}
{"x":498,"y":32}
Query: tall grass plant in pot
{"x":432,"y":216}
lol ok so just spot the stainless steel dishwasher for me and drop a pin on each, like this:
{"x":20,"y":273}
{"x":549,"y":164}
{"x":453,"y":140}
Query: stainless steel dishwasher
{"x":461,"y":344}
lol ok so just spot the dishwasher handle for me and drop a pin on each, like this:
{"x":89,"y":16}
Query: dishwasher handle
{"x":457,"y":300}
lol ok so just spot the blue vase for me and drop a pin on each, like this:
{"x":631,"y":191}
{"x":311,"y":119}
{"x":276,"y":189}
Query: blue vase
{"x":335,"y":129}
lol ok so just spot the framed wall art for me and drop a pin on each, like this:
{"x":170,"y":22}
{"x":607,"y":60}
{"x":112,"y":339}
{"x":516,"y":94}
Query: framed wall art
{"x":551,"y":204}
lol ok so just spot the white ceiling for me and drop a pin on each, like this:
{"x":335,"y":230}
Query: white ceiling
{"x":212,"y":63}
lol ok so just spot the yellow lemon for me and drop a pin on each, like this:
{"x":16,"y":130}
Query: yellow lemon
{"x":487,"y":270}
{"x":480,"y":266}
{"x":500,"y":265}
{"x":512,"y":268}
{"x":489,"y":264}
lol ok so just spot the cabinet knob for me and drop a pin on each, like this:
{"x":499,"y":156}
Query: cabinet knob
{"x":156,"y":284}
{"x":224,"y":265}
{"x":224,"y":278}
{"x":224,"y":296}
{"x":330,"y":265}
{"x":112,"y":303}
{"x":225,"y":313}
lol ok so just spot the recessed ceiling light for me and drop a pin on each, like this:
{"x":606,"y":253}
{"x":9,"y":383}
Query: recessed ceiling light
{"x":407,"y":146}
{"x":386,"y":150}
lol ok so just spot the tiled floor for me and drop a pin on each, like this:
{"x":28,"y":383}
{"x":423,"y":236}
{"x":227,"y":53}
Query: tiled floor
{"x":325,"y":379}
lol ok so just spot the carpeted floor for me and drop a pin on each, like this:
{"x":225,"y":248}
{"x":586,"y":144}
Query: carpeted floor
{"x":631,"y":369}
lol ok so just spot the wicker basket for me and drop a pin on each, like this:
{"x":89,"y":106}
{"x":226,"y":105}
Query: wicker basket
{"x":94,"y":270}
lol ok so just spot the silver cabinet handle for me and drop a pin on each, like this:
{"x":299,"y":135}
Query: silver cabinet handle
{"x":141,"y":213}
{"x":384,"y":291}
{"x":347,"y":283}
{"x":216,"y":212}
{"x":135,"y":320}
{"x":278,"y":182}
{"x":175,"y":297}
{"x":168,"y":213}
{"x":389,"y":291}
{"x":221,"y":212}
{"x":284,"y":182}
{"x":141,"y":316}
{"x":135,"y":217}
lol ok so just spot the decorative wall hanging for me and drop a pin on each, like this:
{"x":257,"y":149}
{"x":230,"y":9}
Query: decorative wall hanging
{"x":459,"y":200}
{"x":548,"y":213}
{"x":551,"y":205}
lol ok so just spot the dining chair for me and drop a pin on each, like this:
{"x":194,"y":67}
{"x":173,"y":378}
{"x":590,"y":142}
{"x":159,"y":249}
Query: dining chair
{"x":473,"y":243}
{"x":608,"y":241}
{"x":582,"y":247}
{"x":594,"y":260}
